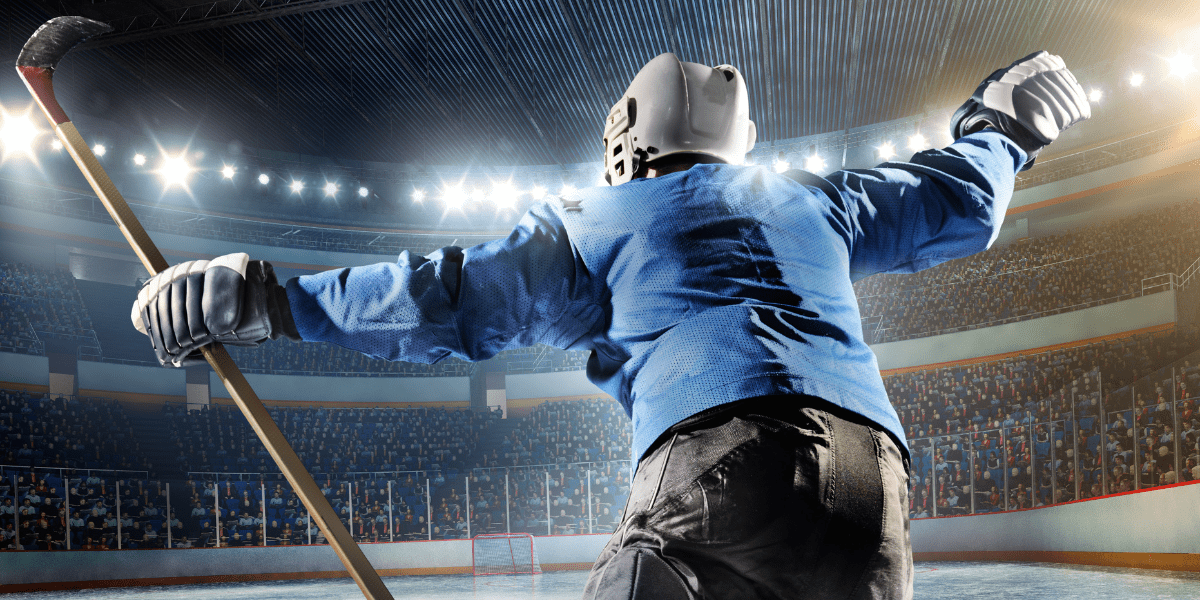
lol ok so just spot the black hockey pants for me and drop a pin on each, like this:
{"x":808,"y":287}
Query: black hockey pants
{"x":775,"y":497}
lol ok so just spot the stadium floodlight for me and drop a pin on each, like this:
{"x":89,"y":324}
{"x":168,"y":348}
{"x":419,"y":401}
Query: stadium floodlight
{"x":781,"y":164}
{"x":454,"y":196}
{"x":814,"y":164}
{"x":418,"y":195}
{"x":537,"y":192}
{"x":362,"y":192}
{"x":504,"y":195}
{"x":18,"y":132}
{"x":1181,"y":65}
{"x":297,"y":185}
{"x":56,"y":144}
{"x":174,"y":170}
{"x":478,"y":195}
{"x":566,"y":189}
{"x":264,"y":179}
{"x":139,"y":159}
{"x":99,"y":150}
{"x":331,"y":189}
{"x":1095,"y":95}
{"x":1136,"y":79}
{"x":917,"y":142}
{"x":227,"y":172}
{"x":886,"y":150}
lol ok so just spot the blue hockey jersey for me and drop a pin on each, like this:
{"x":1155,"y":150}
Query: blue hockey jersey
{"x":693,"y":289}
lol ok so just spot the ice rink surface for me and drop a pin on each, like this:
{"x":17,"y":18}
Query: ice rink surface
{"x":949,"y":580}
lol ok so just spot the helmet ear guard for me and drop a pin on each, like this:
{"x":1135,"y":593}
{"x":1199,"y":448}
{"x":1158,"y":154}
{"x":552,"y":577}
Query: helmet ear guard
{"x":674,"y":107}
{"x":620,"y":159}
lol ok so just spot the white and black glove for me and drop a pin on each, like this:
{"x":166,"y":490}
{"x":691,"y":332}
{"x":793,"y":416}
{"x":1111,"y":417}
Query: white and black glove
{"x":1031,"y":101}
{"x":229,"y":299}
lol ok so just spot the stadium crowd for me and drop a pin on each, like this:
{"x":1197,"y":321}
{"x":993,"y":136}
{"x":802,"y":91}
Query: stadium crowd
{"x":580,"y":431}
{"x":1011,"y":421}
{"x":36,"y":301}
{"x":1033,"y":277}
{"x":86,"y":511}
{"x":985,"y":437}
{"x":329,"y":440}
{"x":564,"y":499}
{"x":39,"y":431}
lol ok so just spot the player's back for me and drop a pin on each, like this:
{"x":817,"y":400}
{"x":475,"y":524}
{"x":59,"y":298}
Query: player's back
{"x":726,"y":282}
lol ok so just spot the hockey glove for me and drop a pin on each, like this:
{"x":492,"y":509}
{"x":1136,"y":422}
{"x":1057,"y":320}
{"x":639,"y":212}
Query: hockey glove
{"x":230,"y":299}
{"x":1031,"y":101}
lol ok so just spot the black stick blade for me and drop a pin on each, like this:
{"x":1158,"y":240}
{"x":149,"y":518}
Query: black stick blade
{"x":55,"y":38}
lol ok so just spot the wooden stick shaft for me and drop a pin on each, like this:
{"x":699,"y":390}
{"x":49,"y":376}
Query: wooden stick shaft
{"x":222,"y":364}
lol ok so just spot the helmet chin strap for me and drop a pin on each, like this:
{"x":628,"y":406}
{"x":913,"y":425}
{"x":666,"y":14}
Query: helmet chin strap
{"x":674,"y":164}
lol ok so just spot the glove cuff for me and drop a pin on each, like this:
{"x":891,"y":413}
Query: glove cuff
{"x":972,"y":117}
{"x":286,"y":324}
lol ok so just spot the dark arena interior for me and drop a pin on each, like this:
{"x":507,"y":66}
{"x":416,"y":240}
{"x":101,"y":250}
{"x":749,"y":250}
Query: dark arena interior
{"x":1048,"y":387}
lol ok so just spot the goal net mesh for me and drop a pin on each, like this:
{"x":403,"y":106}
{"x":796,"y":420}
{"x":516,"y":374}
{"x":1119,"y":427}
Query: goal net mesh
{"x":504,"y":553}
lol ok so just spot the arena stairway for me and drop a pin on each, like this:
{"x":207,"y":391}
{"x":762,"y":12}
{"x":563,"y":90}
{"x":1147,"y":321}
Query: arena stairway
{"x":488,"y":440}
{"x":493,"y":439}
{"x":150,"y":427}
{"x":108,"y":305}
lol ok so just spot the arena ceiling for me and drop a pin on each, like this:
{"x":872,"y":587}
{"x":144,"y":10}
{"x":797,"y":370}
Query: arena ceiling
{"x":528,"y":81}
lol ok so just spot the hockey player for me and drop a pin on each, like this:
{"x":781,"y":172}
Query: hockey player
{"x":716,"y":301}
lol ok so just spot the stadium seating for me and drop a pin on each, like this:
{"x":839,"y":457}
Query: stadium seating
{"x":1033,"y":277}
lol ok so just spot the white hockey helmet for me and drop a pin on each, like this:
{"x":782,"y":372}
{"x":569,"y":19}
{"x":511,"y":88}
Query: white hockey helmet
{"x":676,"y":107}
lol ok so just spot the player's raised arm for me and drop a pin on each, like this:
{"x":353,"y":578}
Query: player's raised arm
{"x":527,"y":288}
{"x":949,"y":203}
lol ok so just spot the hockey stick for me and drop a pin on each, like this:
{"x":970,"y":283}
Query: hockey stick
{"x":36,"y":65}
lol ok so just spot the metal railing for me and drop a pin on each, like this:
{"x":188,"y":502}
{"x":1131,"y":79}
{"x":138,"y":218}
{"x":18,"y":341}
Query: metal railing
{"x":1149,"y":285}
{"x":220,"y":510}
{"x":882,"y":332}
{"x":1053,"y":461}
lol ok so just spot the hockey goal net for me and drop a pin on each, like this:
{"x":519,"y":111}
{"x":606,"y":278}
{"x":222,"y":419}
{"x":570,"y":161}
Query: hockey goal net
{"x":504,"y":554}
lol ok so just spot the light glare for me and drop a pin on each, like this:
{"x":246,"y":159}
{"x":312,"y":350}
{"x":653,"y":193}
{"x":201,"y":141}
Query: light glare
{"x":139,"y":159}
{"x":886,"y":150}
{"x":504,"y":195}
{"x":17,"y":133}
{"x":331,"y":188}
{"x":1095,"y":95}
{"x":56,"y":144}
{"x":174,"y":170}
{"x":99,"y":150}
{"x":814,"y":164}
{"x":264,"y":179}
{"x":782,"y":165}
{"x":917,"y":142}
{"x":1136,"y":80}
{"x":454,"y":196}
{"x":418,"y":195}
{"x":297,"y":185}
{"x":362,"y":192}
{"x":566,"y":189}
{"x":1181,"y":65}
{"x":227,"y":172}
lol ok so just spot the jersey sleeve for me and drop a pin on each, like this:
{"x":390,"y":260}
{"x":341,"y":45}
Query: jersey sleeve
{"x":529,"y":287}
{"x":943,"y":204}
